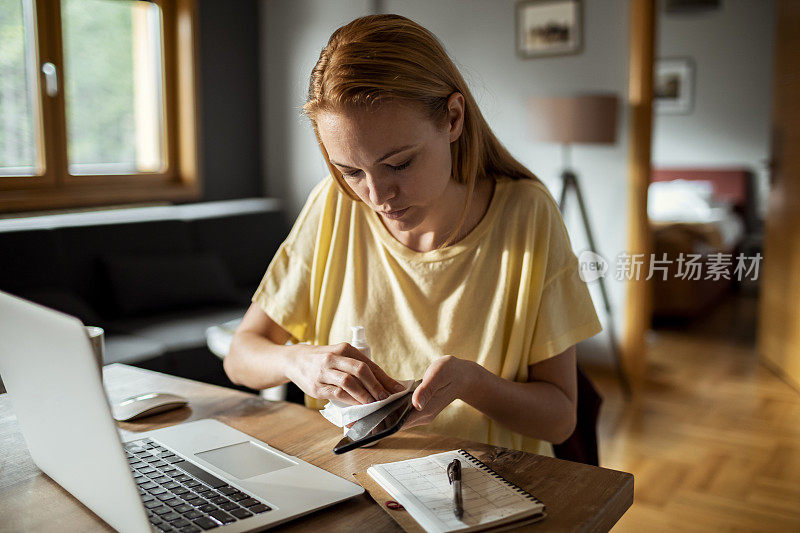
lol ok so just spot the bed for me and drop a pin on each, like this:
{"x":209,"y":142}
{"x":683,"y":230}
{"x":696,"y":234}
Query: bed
{"x":696,"y":213}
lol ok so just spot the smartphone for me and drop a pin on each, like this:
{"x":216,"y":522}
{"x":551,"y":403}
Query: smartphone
{"x":382,"y":423}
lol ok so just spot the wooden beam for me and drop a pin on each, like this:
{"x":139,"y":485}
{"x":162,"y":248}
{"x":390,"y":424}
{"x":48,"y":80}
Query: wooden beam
{"x":638,"y":303}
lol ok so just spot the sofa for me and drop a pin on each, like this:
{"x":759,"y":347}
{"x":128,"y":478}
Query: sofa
{"x":155,"y":278}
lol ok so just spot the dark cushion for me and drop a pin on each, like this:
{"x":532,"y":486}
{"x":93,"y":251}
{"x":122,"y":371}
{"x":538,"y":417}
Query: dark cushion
{"x":85,"y":247}
{"x":63,"y":300}
{"x":245,"y":242}
{"x":30,"y":258}
{"x":160,"y":282}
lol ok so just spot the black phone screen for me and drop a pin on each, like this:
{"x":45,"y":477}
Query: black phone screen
{"x":382,"y":423}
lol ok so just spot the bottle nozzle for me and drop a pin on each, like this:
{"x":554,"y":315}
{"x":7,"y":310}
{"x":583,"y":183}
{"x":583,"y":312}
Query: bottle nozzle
{"x":359,"y":335}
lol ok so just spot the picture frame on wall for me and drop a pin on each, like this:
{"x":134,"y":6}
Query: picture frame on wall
{"x":673,"y":86}
{"x":548,"y":27}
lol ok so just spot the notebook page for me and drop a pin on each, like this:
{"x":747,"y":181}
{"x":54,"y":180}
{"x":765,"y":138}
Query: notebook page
{"x":422,"y":487}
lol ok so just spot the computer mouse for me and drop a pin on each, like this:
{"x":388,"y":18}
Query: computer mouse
{"x":147,"y":404}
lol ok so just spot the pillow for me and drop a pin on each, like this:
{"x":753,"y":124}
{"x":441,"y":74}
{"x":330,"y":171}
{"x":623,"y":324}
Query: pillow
{"x":143,"y":283}
{"x":63,"y":300}
{"x":679,"y":201}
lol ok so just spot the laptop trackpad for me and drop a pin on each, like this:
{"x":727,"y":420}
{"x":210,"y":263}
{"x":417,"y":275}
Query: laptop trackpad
{"x":245,"y":460}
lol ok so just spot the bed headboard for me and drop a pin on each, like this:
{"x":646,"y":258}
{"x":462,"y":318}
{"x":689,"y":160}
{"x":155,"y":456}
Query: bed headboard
{"x":732,"y":185}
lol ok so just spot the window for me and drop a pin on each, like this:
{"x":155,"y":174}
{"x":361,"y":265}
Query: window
{"x":19,"y":149}
{"x":97,"y":102}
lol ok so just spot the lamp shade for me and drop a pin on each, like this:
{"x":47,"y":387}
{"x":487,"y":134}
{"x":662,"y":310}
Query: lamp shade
{"x":590,"y":118}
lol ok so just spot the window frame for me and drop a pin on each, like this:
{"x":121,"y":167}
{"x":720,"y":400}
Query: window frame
{"x":55,"y":187}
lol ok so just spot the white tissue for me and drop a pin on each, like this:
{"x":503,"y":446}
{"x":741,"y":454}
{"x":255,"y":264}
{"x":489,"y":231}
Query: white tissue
{"x":340,"y":414}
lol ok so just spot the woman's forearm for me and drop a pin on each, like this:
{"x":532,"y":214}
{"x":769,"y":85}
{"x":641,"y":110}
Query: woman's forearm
{"x":256,"y":362}
{"x":258,"y":359}
{"x":537,"y":409}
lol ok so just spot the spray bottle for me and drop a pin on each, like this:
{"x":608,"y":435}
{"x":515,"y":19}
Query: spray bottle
{"x":359,"y":342}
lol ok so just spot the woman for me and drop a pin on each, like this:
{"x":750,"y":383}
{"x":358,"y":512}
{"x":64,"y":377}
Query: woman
{"x":428,"y":233}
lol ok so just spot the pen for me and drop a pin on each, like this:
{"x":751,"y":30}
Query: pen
{"x":454,"y":477}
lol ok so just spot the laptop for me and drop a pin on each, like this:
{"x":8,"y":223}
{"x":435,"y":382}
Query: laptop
{"x":189,"y":477}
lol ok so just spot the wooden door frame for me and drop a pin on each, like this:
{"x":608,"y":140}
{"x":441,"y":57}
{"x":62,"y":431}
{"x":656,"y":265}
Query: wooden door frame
{"x":778,"y":343}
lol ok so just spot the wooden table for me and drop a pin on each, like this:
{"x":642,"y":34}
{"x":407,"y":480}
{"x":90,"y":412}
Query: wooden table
{"x":578,"y":497}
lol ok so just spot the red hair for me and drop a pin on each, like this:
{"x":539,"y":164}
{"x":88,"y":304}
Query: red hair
{"x":379,"y":59}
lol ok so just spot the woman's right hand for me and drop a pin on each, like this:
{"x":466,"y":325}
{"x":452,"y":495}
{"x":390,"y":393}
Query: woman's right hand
{"x":340,"y":372}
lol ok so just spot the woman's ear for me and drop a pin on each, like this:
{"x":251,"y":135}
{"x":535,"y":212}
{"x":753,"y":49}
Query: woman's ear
{"x":455,"y":115}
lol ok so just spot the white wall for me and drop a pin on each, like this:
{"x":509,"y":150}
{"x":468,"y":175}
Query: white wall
{"x":730,"y":124}
{"x":479,"y":35}
{"x":292,"y":34}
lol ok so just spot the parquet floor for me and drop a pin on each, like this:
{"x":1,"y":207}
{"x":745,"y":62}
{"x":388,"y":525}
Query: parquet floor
{"x":714,"y":443}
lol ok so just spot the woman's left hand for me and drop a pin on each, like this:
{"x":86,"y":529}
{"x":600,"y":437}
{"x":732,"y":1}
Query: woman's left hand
{"x":445,"y":380}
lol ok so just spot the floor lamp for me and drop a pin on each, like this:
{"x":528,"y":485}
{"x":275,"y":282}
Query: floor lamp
{"x":582,"y":119}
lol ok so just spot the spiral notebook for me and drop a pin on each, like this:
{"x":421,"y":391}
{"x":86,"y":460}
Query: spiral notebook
{"x":422,"y":487}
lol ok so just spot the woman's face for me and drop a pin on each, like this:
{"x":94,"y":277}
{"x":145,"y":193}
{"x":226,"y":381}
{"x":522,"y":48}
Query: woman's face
{"x":397,"y":161}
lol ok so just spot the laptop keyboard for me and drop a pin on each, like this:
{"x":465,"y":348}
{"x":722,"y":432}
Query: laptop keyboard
{"x":180,"y":496}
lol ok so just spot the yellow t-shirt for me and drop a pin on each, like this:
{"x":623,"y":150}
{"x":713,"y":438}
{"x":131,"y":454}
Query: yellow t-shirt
{"x":506,"y":296}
